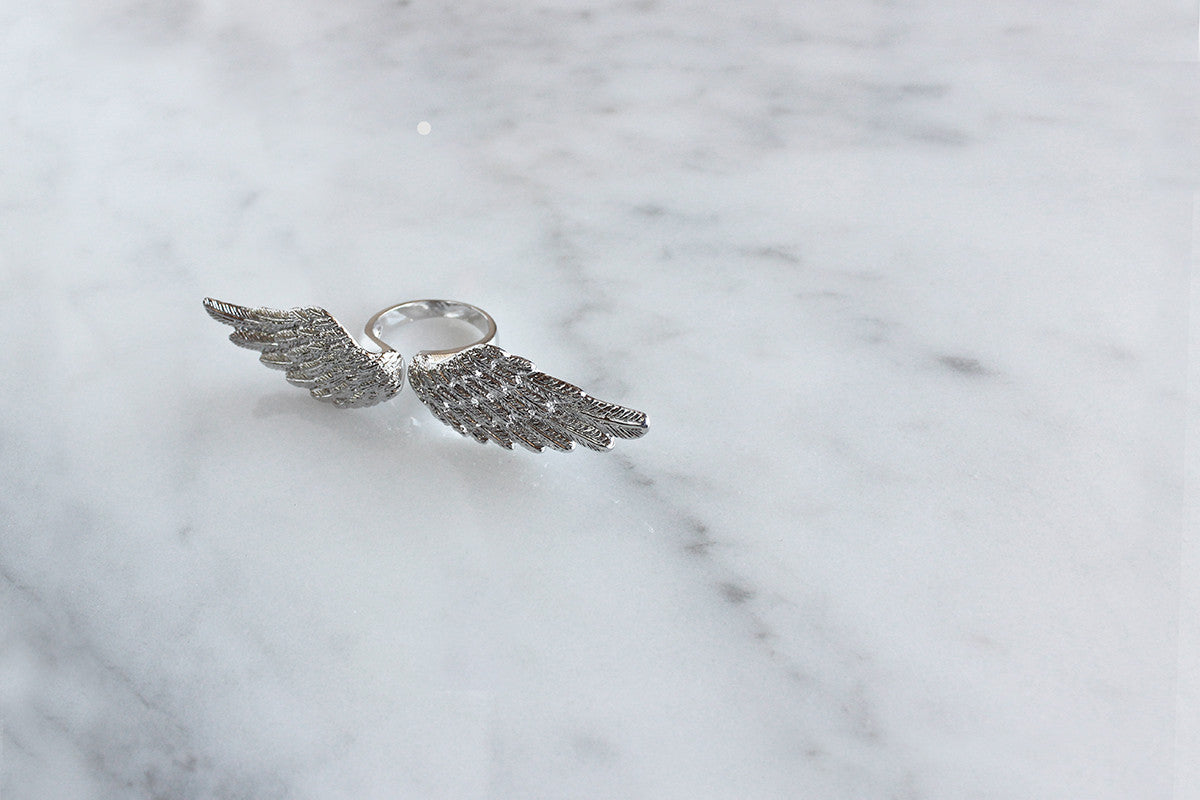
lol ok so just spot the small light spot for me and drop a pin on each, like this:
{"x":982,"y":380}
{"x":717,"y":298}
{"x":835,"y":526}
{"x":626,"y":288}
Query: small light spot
{"x":424,"y":128}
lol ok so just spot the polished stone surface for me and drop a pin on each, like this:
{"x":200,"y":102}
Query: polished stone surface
{"x":906,"y":289}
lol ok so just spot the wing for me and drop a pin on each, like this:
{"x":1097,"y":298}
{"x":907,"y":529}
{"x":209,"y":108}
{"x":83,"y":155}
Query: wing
{"x":488,"y":394}
{"x":315,"y":351}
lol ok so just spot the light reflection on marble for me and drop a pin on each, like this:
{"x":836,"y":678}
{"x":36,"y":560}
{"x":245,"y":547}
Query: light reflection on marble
{"x":904,"y":288}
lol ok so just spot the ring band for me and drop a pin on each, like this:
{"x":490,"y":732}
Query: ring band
{"x":418,"y":310}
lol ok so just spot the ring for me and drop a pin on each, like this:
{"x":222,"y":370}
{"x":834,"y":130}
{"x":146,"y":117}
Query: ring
{"x":417,"y":310}
{"x":478,"y":389}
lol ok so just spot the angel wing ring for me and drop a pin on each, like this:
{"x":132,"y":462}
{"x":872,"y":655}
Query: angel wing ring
{"x":478,"y":390}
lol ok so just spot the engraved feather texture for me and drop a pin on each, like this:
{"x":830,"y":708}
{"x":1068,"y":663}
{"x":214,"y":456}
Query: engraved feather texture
{"x":315,"y":352}
{"x":490,"y":395}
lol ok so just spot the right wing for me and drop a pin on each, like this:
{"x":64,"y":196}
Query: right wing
{"x":491,"y":395}
{"x":315,"y":351}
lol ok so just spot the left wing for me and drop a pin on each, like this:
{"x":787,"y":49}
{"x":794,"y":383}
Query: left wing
{"x":315,"y":352}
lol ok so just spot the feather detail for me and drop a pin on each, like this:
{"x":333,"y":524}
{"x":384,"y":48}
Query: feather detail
{"x":615,"y":420}
{"x":314,"y":351}
{"x":487,"y":394}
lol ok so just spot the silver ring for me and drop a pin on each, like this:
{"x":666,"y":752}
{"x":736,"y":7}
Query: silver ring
{"x":478,"y":389}
{"x":417,"y":310}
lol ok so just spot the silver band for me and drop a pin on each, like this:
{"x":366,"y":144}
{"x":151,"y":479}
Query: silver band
{"x":416,"y":310}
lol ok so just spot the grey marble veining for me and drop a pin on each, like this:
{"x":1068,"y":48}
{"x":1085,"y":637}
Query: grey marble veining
{"x":906,"y":289}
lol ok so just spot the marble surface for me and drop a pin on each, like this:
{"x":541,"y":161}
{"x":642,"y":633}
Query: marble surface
{"x":905,"y":288}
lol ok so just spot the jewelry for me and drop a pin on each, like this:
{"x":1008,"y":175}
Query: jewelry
{"x":478,"y":390}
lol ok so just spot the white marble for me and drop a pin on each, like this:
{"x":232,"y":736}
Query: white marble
{"x":905,"y":288}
